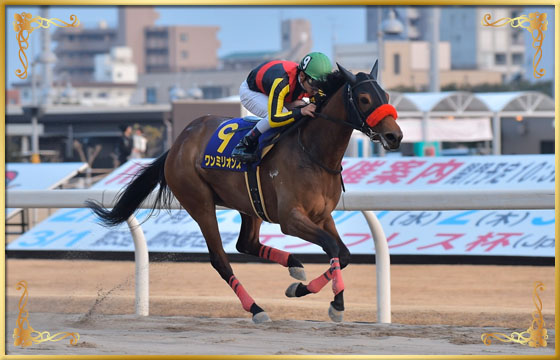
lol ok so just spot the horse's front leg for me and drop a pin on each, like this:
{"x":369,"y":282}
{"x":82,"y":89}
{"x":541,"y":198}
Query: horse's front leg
{"x":297,"y":223}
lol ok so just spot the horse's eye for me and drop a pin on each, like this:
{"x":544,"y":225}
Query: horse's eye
{"x":364,"y":101}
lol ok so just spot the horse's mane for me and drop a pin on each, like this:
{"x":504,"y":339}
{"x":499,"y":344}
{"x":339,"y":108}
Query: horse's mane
{"x":331,"y":83}
{"x":329,"y":86}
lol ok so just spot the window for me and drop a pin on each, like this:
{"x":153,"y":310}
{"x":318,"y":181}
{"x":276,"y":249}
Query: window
{"x":214,"y":92}
{"x":102,"y":95}
{"x":517,"y":38}
{"x":500,"y":59}
{"x":397,"y":63}
{"x":184,"y":37}
{"x":517,"y":59}
{"x":151,"y":95}
{"x":184,"y":54}
{"x":87,"y":94}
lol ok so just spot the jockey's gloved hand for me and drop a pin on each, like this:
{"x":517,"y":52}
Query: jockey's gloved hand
{"x":318,"y":97}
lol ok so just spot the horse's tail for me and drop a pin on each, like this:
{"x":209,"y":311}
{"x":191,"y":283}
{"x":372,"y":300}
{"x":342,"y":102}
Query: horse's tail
{"x":135,"y":193}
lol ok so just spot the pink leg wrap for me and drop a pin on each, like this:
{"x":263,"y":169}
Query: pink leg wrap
{"x":278,"y":256}
{"x":333,"y":273}
{"x":317,"y":284}
{"x":338,"y":284}
{"x":246,"y":300}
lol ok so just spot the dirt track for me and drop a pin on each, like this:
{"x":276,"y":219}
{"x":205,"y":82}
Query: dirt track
{"x":458,"y":296}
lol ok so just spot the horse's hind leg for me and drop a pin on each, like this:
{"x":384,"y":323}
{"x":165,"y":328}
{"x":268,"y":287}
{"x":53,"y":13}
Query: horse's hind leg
{"x":298,"y":224}
{"x":248,"y":243}
{"x":220,"y":262}
{"x":205,"y":216}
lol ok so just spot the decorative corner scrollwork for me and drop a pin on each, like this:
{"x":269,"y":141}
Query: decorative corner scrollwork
{"x":23,"y":26}
{"x":24,"y":335}
{"x":536,"y":23}
{"x":535,"y":336}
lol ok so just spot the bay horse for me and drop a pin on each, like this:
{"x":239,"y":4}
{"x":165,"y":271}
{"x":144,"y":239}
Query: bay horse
{"x":300,"y":193}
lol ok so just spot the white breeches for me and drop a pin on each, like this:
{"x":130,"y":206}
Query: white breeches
{"x":256,"y":103}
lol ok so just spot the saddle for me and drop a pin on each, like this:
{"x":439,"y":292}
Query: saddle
{"x":217,"y":155}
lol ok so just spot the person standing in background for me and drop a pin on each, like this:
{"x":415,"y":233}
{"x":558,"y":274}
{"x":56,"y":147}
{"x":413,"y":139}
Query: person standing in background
{"x":124,"y":145}
{"x":139,"y":144}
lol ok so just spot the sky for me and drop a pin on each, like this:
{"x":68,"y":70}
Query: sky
{"x":242,"y":28}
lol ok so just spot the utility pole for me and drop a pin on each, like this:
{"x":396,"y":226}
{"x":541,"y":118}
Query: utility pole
{"x":434,"y":50}
{"x":47,"y":58}
{"x":34,"y":123}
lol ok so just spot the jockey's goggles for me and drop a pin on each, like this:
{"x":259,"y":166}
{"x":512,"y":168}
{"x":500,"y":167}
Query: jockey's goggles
{"x":313,"y":83}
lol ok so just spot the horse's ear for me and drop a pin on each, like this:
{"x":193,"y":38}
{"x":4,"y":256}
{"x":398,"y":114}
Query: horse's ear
{"x":351,"y":78}
{"x":373,"y":71}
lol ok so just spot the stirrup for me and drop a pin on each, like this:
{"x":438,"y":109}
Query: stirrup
{"x":243,"y":154}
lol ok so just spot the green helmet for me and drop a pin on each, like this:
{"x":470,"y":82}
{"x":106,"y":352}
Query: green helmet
{"x":316,"y":65}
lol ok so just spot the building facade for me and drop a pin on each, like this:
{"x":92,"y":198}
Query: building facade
{"x":76,"y":49}
{"x":154,"y":48}
{"x":473,"y":46}
{"x":407,"y":64}
{"x":180,"y":48}
{"x":499,"y":49}
{"x":133,"y":20}
{"x":116,"y":67}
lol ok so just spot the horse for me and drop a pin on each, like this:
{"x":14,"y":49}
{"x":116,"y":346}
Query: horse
{"x":303,"y":188}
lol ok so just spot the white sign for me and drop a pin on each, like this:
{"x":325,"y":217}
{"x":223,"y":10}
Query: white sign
{"x":44,"y":176}
{"x":454,"y":130}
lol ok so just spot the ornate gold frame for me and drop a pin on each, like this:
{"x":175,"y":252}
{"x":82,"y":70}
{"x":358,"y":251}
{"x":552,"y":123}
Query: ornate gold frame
{"x":23,"y":28}
{"x":24,"y":335}
{"x":536,"y":23}
{"x":535,"y":336}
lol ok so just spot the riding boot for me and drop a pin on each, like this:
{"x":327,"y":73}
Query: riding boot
{"x":246,"y":150}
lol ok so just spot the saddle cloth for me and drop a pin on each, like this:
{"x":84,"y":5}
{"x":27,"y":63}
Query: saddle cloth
{"x":217,"y":154}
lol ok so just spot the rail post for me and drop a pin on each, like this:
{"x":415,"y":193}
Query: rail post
{"x":382,"y":268}
{"x":142,"y":268}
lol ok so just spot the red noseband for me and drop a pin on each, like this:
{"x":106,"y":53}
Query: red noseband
{"x":380,"y":113}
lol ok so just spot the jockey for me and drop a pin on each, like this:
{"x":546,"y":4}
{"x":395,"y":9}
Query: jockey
{"x":273,"y":90}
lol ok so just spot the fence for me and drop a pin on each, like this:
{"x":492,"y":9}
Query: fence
{"x":365,"y":201}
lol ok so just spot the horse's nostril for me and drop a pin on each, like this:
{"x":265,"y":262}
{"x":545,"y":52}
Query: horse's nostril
{"x":390,"y":137}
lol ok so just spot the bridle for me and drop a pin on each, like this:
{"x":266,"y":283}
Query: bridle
{"x":357,"y":119}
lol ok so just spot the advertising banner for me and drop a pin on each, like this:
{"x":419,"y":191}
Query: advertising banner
{"x":473,"y":232}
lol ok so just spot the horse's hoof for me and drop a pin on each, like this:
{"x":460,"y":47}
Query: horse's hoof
{"x":297,"y":273}
{"x":291,"y":290}
{"x":335,"y":315}
{"x":261,"y":317}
